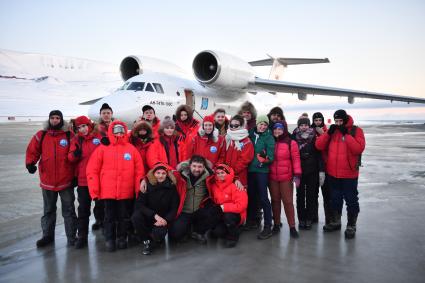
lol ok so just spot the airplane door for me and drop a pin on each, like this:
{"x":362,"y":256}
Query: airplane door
{"x":190,"y":98}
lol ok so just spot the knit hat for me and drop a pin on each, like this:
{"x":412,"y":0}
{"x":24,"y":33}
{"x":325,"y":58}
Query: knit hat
{"x":278,"y":125}
{"x":167,"y":123}
{"x":208,"y":119}
{"x":57,"y":113}
{"x":159,"y":166}
{"x":341,"y":114}
{"x":105,"y":106}
{"x":262,"y":118}
{"x":147,"y":107}
{"x":303,"y":120}
{"x":318,"y":115}
{"x":82,"y":120}
{"x":223,"y":167}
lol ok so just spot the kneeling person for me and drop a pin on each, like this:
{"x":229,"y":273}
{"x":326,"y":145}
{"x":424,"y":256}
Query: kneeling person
{"x":232,"y":204}
{"x":157,"y":207}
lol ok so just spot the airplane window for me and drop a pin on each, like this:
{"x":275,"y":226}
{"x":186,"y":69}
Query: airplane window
{"x":136,"y":86}
{"x":124,"y":86}
{"x":149,"y":88}
{"x":158,"y":88}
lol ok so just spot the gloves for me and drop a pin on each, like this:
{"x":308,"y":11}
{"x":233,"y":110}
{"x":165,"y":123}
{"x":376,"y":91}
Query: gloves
{"x":77,"y":152}
{"x":297,"y":181}
{"x":31,"y":168}
{"x":261,"y":158}
{"x":105,"y":141}
{"x":343,"y":130}
{"x":332,"y":129}
{"x":321,"y":178}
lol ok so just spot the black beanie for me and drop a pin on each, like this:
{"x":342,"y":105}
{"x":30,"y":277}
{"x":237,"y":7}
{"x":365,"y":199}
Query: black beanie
{"x":105,"y":106}
{"x":318,"y":115}
{"x":147,"y":107}
{"x":56,"y":112}
{"x":303,"y":120}
{"x":341,"y":114}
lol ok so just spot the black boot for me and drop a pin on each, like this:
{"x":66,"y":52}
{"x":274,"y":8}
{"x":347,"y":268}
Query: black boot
{"x":81,"y":243}
{"x":302,"y":225}
{"x":110,"y":246}
{"x":276,"y":229}
{"x":293,"y":233}
{"x":147,"y":247}
{"x":122,"y":243}
{"x":200,"y":238}
{"x":266,"y":233}
{"x":45,"y":241}
{"x":335,"y":223}
{"x":97,"y":225}
{"x":71,"y":242}
{"x":230,"y":243}
{"x":308,"y":225}
{"x":350,"y":231}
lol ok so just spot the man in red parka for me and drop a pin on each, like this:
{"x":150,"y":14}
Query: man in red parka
{"x":50,"y":147}
{"x":114,"y":173}
{"x":345,"y":144}
{"x":82,"y":146}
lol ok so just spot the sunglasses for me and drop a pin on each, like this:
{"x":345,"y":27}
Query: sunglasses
{"x":234,"y":126}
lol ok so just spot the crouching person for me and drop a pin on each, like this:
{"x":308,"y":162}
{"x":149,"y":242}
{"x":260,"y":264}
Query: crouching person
{"x":50,"y":147}
{"x":232,"y":204}
{"x":156,"y":208}
{"x":114,"y":173}
{"x":195,"y":209}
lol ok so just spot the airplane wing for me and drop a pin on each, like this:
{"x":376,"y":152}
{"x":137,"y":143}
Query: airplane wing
{"x":90,"y":102}
{"x":303,"y":89}
{"x":287,"y":61}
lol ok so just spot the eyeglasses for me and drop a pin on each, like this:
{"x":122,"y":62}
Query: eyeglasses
{"x":118,"y":129}
{"x":234,"y":126}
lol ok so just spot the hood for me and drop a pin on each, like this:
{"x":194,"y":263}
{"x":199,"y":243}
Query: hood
{"x":152,"y":180}
{"x":350,"y":122}
{"x":276,"y":110}
{"x":139,"y":126}
{"x":187,"y":109}
{"x":248,"y":106}
{"x":111,"y":136}
{"x":64,"y":128}
{"x":215,"y":133}
{"x":184,"y":168}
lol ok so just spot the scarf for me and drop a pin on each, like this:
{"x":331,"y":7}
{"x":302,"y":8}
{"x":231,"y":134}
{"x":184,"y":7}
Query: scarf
{"x":236,"y":136}
{"x":304,"y":138}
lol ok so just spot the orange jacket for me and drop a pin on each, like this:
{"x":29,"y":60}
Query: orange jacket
{"x":115,"y":171}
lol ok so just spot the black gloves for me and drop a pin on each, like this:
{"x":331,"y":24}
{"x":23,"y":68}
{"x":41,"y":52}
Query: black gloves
{"x":77,"y":152}
{"x":105,"y":141}
{"x":332,"y":129}
{"x":343,"y":130}
{"x":31,"y":168}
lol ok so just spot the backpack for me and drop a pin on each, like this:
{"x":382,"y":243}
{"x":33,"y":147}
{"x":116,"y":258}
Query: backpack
{"x":359,"y":160}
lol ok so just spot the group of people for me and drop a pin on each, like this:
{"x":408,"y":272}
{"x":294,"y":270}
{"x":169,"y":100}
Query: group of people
{"x":187,"y":178}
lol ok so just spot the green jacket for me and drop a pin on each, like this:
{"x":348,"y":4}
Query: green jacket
{"x":262,"y":142}
{"x":195,"y":193}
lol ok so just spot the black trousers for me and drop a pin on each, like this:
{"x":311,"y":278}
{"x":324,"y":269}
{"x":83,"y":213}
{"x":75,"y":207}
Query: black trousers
{"x":48,"y":220}
{"x":307,"y":194}
{"x":327,"y":199}
{"x":84,"y":203}
{"x":228,"y":226}
{"x":146,"y":229}
{"x":202,"y":220}
{"x":117,"y":218}
{"x":99,"y":210}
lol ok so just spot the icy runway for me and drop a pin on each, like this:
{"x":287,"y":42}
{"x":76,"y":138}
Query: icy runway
{"x":389,"y":245}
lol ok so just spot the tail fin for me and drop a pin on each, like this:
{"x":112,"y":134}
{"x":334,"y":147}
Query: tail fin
{"x":279,"y":64}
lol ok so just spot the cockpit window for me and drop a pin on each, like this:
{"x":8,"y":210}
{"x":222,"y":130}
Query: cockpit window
{"x":124,"y":86}
{"x":136,"y":86}
{"x":149,"y":88}
{"x":158,"y":88}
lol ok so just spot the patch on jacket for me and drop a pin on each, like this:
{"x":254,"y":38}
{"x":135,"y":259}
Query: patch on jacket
{"x":96,"y":141}
{"x":127,"y":156}
{"x":63,"y":142}
{"x":242,"y":144}
{"x":213,"y":149}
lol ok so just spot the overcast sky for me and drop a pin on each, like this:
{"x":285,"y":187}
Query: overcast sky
{"x":372,"y":45}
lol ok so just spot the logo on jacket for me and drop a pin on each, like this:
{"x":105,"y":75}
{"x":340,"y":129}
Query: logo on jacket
{"x":242,"y":144}
{"x":127,"y":156}
{"x":63,"y":142}
{"x":96,"y":141}
{"x":213,"y":149}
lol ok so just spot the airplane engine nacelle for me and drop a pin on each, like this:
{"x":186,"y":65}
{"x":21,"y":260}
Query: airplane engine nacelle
{"x":219,"y":69}
{"x":134,"y":65}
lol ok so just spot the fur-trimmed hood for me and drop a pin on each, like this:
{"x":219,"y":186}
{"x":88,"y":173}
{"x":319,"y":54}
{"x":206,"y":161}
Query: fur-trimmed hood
{"x":215,"y":134}
{"x":248,"y":106}
{"x":185,"y":108}
{"x":64,"y":128}
{"x":184,"y":168}
{"x":152,"y":180}
{"x":139,"y":126}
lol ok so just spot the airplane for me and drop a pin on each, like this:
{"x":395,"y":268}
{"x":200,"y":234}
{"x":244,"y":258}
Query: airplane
{"x":221,"y":81}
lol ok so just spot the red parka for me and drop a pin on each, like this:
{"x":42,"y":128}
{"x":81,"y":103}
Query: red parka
{"x":166,"y":150}
{"x":240,"y":159}
{"x":343,"y":151}
{"x":56,"y":172}
{"x":87,"y":144}
{"x":227,"y":194}
{"x":212,"y":148}
{"x":286,"y":163}
{"x":115,"y":171}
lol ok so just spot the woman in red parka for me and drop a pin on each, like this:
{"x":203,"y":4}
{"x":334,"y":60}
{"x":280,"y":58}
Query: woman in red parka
{"x":186,"y":125}
{"x":114,"y":173}
{"x":82,"y":146}
{"x":285,"y":169}
{"x":142,"y":138}
{"x":239,"y":150}
{"x":207,"y":143}
{"x":232,"y":201}
{"x":166,"y":148}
